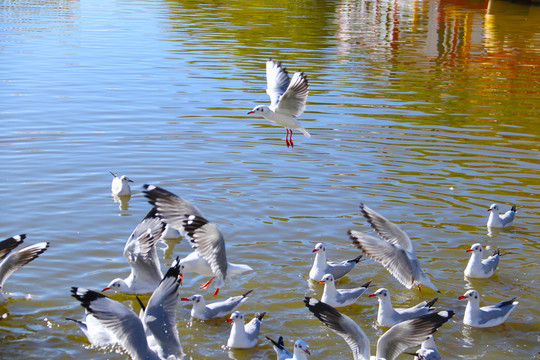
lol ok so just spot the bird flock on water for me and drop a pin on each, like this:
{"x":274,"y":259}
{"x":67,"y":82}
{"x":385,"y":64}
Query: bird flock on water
{"x":153,"y":333}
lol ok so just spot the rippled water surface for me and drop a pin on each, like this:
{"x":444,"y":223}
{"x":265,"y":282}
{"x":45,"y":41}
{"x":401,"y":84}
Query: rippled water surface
{"x":427,"y":111}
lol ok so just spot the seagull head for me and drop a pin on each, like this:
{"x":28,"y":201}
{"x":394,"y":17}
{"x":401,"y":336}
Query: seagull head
{"x":260,"y":109}
{"x":471,"y":295}
{"x":477,"y":248}
{"x":327,"y":278}
{"x":319,"y":247}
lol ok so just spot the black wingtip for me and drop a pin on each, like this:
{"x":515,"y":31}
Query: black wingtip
{"x":20,"y":237}
{"x":140,"y":303}
{"x":280,"y":344}
{"x":192,"y":223}
{"x":356,"y":259}
{"x":368,"y":284}
{"x":431,"y":303}
{"x":85,"y":296}
{"x":174,"y":270}
{"x":260,"y":315}
{"x":247,"y":293}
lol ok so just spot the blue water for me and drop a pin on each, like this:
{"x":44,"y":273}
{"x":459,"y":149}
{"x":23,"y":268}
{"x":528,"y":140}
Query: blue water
{"x":425,"y":111}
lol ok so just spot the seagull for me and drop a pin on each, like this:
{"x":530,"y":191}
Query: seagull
{"x":394,"y":251}
{"x":11,"y":262}
{"x":141,"y":255}
{"x":486,"y":316}
{"x":340,"y":297}
{"x":287,"y":99}
{"x":205,"y":238}
{"x":392,"y":343}
{"x":300,"y":350}
{"x":244,"y":336}
{"x":158,"y":319}
{"x":500,"y":221}
{"x":428,"y":350}
{"x":203,"y":311}
{"x":389,"y":316}
{"x":478,"y":268}
{"x":97,"y":334}
{"x":120,"y":185}
{"x":194,"y":262}
{"x":172,"y":209}
{"x":322,"y":267}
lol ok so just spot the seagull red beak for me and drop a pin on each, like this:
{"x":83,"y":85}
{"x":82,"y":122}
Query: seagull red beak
{"x":372,"y":295}
{"x":462,"y":297}
{"x":315,"y":250}
{"x":106,"y":288}
{"x":469,"y":250}
{"x":489,"y":209}
{"x":251,"y":112}
{"x":321,"y":282}
{"x":229,"y":320}
{"x":130,"y":180}
{"x":184,"y":299}
{"x":181,"y":278}
{"x":307,"y":351}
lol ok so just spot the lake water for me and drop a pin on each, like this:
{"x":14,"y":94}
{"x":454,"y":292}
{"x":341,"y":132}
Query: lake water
{"x":427,"y":111}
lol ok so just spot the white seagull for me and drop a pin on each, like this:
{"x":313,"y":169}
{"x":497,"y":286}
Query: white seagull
{"x":196,"y":263}
{"x":203,"y":311}
{"x":486,"y":316}
{"x":300,"y":350}
{"x":428,"y":350}
{"x":158,"y":319}
{"x":500,"y":221}
{"x":322,"y":267}
{"x":242,"y":335}
{"x":392,"y":343}
{"x":11,"y":262}
{"x":141,"y":255}
{"x":478,"y":267}
{"x":97,"y":334}
{"x":120,"y":185}
{"x":287,"y":99}
{"x":389,"y":316}
{"x":209,"y":256}
{"x":394,"y":250}
{"x":340,"y":297}
{"x":172,"y":209}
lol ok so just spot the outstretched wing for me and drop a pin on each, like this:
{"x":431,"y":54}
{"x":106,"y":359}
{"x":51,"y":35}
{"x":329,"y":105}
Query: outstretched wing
{"x":277,"y":81}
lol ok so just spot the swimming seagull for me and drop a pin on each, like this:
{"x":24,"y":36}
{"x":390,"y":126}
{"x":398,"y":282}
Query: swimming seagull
{"x":486,"y":316}
{"x":158,"y":319}
{"x":287,"y":99}
{"x":500,"y":221}
{"x":244,"y":336}
{"x":141,"y":255}
{"x":428,"y":350}
{"x":209,"y":256}
{"x":300,"y":350}
{"x":394,"y":250}
{"x":340,"y":297}
{"x":392,"y":343}
{"x":203,"y":311}
{"x":12,"y":261}
{"x":322,"y":267}
{"x":120,"y":185}
{"x":478,"y":267}
{"x":97,"y":334}
{"x":389,"y":316}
